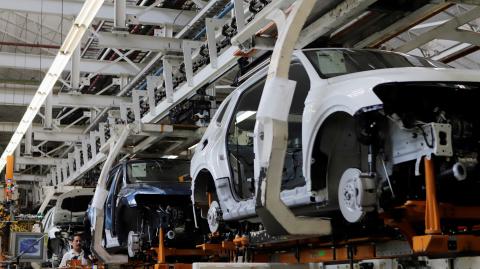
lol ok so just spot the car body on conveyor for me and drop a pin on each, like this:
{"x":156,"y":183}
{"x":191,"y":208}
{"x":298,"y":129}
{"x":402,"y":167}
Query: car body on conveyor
{"x":359,"y":124}
{"x":64,"y":220}
{"x":144,"y":196}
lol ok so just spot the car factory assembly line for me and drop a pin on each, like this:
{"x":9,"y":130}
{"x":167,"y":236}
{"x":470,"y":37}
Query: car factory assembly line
{"x":335,"y":134}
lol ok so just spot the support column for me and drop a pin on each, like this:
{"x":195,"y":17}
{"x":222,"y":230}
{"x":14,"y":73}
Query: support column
{"x":93,"y":114}
{"x":64,"y":170}
{"x":48,"y":112}
{"x":153,"y":82}
{"x":28,"y":141}
{"x":213,"y":26}
{"x":58,"y":170}
{"x":101,"y":133}
{"x":239,"y":14}
{"x":71,"y":163}
{"x":75,"y":75}
{"x":17,"y":155}
{"x":188,"y":46}
{"x":432,"y":212}
{"x":161,"y":246}
{"x":120,"y":18}
{"x":84,"y":152}
{"x":136,"y":94}
{"x":168,"y":77}
{"x":93,"y":143}
{"x":123,"y":82}
{"x":53,"y":173}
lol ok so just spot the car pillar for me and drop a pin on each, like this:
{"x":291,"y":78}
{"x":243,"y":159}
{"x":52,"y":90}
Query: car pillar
{"x":271,"y":130}
{"x":100,"y":197}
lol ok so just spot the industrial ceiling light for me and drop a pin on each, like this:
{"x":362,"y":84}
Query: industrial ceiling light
{"x":244,"y":115}
{"x":171,"y":157}
{"x":72,"y":40}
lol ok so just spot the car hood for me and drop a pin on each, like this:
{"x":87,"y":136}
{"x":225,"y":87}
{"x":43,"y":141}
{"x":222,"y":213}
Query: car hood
{"x":355,"y":91}
{"x":161,"y":188}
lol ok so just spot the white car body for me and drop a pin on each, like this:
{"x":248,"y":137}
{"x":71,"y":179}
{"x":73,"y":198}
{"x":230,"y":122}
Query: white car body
{"x":62,"y":214}
{"x":47,"y":223}
{"x":51,"y":196}
{"x":347,"y":93}
{"x":60,"y":221}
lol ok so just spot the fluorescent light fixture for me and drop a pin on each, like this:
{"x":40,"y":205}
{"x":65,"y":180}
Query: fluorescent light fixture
{"x":169,"y":156}
{"x":80,"y":25}
{"x":245,"y":115}
{"x":72,"y":40}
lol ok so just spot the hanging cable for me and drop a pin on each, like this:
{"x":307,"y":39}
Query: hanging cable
{"x":41,"y":37}
{"x":61,"y":27}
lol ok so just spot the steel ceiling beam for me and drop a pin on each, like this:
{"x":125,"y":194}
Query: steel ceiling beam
{"x":35,"y":62}
{"x":458,"y":54}
{"x":38,"y":160}
{"x":29,"y":45}
{"x":58,"y":136}
{"x":200,"y":16}
{"x":71,"y":8}
{"x":443,"y":29}
{"x":21,"y":97}
{"x":343,"y":13}
{"x":225,"y":61}
{"x":96,"y":160}
{"x":139,"y":42}
{"x":35,"y":178}
{"x":463,"y":36}
{"x":200,"y":3}
{"x":468,"y":2}
{"x":10,"y":127}
{"x":402,"y":25}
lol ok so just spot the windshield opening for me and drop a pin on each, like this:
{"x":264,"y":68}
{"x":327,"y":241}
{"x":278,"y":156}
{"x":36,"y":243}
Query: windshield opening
{"x":77,"y":203}
{"x":156,"y":170}
{"x":336,"y":62}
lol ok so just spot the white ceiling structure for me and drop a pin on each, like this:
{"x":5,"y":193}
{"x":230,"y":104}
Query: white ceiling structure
{"x":125,"y":76}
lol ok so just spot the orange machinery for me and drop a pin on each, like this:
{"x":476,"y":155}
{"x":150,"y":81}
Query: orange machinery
{"x":434,"y":242}
{"x":9,"y":178}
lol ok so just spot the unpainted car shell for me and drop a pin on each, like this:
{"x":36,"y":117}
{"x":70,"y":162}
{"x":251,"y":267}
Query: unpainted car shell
{"x":62,"y":215}
{"x":346,"y":93}
{"x":57,"y":218}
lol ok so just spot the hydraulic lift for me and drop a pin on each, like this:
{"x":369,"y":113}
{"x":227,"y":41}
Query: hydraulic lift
{"x":434,"y":241}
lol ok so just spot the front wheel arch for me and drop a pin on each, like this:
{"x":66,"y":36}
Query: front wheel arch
{"x":335,"y":149}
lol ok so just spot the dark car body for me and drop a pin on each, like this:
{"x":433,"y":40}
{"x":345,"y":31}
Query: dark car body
{"x":144,"y":196}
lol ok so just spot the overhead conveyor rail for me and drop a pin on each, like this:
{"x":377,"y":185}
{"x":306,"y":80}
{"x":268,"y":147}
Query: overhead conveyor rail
{"x":71,"y":8}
